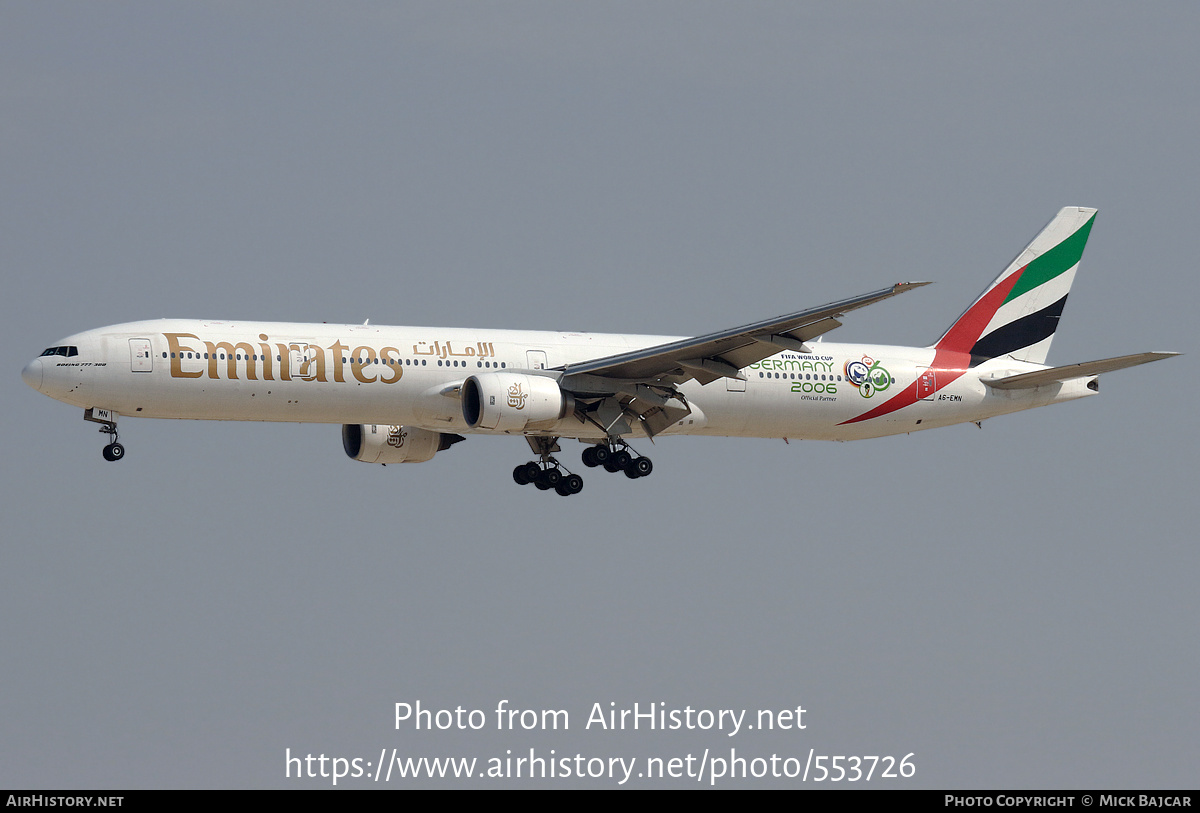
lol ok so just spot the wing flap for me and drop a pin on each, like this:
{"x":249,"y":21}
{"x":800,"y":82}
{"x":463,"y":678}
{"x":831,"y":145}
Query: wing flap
{"x":1054,"y":375}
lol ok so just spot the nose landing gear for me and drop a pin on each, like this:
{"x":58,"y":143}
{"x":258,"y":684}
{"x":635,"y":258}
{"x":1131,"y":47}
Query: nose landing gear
{"x":108,"y":426}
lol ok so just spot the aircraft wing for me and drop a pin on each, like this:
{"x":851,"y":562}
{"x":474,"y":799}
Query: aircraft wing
{"x":722,"y":354}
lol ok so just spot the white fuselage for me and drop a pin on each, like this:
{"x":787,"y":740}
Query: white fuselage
{"x":368,"y":374}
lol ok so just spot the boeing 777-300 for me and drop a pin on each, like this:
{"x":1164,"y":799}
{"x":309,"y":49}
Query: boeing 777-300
{"x":403,"y":394}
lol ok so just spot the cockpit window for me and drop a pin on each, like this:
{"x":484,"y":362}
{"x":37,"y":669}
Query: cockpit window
{"x":69,"y":350}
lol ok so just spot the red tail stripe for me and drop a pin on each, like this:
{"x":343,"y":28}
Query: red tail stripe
{"x":948,"y":365}
{"x":952,"y":356}
{"x":963,"y":334}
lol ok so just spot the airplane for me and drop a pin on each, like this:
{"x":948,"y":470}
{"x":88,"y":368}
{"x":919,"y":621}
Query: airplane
{"x":403,"y":394}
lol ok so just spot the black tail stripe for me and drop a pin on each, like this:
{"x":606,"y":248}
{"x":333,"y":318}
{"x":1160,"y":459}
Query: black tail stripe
{"x":1023,"y":332}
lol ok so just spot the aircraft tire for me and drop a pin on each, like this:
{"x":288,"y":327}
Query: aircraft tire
{"x":113,"y":452}
{"x":550,"y":477}
{"x":621,"y":460}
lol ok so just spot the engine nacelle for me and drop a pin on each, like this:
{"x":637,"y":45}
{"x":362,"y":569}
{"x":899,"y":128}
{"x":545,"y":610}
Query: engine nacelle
{"x":373,"y":443}
{"x":513,"y":402}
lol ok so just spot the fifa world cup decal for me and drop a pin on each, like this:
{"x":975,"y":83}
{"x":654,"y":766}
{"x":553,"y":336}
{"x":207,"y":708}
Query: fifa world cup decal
{"x":868,"y":376}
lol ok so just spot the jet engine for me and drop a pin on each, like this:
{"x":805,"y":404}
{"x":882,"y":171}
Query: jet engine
{"x":512,"y":402}
{"x":372,"y":443}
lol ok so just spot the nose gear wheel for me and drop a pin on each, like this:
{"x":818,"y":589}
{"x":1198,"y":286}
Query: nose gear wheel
{"x":113,"y":451}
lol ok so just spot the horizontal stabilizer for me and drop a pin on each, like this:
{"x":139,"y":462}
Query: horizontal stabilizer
{"x":1085,"y":369}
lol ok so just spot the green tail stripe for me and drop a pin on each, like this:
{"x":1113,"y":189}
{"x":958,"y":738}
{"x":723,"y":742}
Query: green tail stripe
{"x":1057,"y":260}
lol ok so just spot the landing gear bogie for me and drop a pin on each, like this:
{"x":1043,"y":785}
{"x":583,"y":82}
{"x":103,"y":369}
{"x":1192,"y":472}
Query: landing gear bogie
{"x":548,"y":475}
{"x":615,"y":459}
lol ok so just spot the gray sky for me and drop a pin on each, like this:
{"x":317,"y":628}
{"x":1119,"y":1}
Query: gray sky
{"x":1016,"y":606}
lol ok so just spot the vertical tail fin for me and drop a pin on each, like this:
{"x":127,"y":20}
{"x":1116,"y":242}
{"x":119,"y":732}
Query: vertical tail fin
{"x":1018,"y":313}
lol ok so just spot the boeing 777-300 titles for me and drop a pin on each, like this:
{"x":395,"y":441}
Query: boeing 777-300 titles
{"x":403,"y":394}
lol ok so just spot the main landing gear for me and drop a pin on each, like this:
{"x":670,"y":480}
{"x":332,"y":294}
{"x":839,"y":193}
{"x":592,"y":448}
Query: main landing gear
{"x":108,"y":426}
{"x":616,"y":458}
{"x":547,"y":473}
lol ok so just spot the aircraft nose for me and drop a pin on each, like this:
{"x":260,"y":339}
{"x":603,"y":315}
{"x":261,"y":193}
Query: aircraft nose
{"x":32,"y":374}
